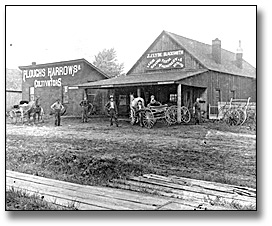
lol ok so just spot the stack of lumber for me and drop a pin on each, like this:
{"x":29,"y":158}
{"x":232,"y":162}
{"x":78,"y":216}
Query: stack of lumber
{"x":148,"y":192}
{"x":85,"y":197}
{"x":201,"y":193}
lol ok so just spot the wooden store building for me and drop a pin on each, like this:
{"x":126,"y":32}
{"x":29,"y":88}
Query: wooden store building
{"x":59,"y":80}
{"x":177,"y":70}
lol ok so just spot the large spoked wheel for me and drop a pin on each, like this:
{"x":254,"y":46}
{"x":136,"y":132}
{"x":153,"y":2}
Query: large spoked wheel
{"x":185,"y":114}
{"x":233,"y":117}
{"x":243,"y":116}
{"x":132,"y":116}
{"x":148,"y":118}
{"x":171,"y":115}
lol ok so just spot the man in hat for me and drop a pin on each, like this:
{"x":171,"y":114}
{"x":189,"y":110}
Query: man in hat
{"x":139,"y":112}
{"x":153,"y":102}
{"x":112,"y":110}
{"x":197,"y":111}
{"x":86,"y":106}
{"x":57,"y":107}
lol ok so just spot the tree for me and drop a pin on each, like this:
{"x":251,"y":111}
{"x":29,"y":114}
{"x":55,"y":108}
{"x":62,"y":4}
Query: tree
{"x":107,"y":62}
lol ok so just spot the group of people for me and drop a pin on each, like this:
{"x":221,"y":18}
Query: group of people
{"x":112,"y":110}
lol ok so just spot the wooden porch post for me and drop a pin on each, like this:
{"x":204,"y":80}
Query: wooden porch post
{"x":179,"y":104}
{"x":138,"y":92}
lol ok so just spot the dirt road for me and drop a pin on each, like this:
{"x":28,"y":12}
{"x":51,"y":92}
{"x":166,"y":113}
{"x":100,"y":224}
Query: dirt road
{"x":208,"y":151}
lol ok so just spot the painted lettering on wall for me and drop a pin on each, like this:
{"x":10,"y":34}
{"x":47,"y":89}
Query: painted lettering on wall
{"x":49,"y":73}
{"x":165,"y":60}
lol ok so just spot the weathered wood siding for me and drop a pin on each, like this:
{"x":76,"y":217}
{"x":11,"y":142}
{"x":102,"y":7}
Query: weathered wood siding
{"x":242,"y":86}
{"x":164,"y":44}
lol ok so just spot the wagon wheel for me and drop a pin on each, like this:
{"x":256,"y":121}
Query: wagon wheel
{"x":132,"y":116}
{"x":185,"y":114}
{"x":233,"y":117}
{"x":148,"y":118}
{"x":243,"y":116}
{"x":171,"y":115}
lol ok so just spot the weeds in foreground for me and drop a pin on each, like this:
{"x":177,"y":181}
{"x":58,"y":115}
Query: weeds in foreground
{"x":21,"y":200}
{"x":234,"y":205}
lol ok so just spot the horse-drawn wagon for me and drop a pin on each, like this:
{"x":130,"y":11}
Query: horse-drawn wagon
{"x":23,"y":109}
{"x":235,"y":112}
{"x":151,"y":114}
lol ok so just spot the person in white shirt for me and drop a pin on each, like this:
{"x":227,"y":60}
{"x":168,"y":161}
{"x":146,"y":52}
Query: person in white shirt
{"x":57,"y":107}
{"x":112,"y":110}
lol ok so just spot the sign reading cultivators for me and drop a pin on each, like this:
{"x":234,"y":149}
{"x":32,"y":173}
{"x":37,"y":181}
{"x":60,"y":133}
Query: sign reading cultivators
{"x":165,"y":60}
{"x":50,"y":76}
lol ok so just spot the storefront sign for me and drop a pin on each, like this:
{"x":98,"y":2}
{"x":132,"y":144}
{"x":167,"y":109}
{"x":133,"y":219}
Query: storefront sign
{"x":165,"y":60}
{"x":49,"y":74}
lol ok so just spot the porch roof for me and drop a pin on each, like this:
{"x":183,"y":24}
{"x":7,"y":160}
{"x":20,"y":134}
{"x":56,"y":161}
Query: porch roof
{"x":143,"y":79}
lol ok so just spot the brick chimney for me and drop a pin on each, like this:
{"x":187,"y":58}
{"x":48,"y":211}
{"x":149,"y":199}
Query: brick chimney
{"x":239,"y":56}
{"x":216,"y":50}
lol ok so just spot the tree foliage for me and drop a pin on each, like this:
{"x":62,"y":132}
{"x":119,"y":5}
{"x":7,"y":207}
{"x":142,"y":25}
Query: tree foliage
{"x":107,"y":62}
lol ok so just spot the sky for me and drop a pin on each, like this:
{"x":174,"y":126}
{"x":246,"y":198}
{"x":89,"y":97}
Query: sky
{"x":45,"y":34}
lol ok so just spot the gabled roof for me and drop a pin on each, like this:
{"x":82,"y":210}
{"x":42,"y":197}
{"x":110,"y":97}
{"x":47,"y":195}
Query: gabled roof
{"x":202,"y":53}
{"x":65,"y":62}
{"x":138,"y":80}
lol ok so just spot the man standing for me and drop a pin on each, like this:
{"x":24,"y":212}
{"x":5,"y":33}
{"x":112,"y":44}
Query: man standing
{"x":112,"y":110}
{"x":197,"y":111}
{"x":57,"y":107}
{"x":85,"y":105}
{"x":139,"y":111}
{"x":37,"y":109}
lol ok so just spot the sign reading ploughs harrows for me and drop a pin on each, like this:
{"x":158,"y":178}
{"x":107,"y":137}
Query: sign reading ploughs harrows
{"x":165,"y":60}
{"x":49,"y":74}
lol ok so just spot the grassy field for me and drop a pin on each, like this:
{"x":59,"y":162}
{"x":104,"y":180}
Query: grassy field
{"x":94,"y":153}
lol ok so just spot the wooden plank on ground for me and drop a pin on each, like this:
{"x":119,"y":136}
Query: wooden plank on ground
{"x":88,"y":197}
{"x":100,"y":191}
{"x":192,"y":191}
{"x":190,"y":203}
{"x":72,"y":196}
{"x":65,"y":202}
{"x":202,"y":182}
{"x":243,"y":193}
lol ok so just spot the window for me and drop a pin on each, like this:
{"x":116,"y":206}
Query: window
{"x":217,"y":96}
{"x":173,"y":98}
{"x":91,"y":97}
{"x":232,"y":92}
{"x":122,"y":99}
{"x":31,"y":93}
{"x":65,"y":96}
